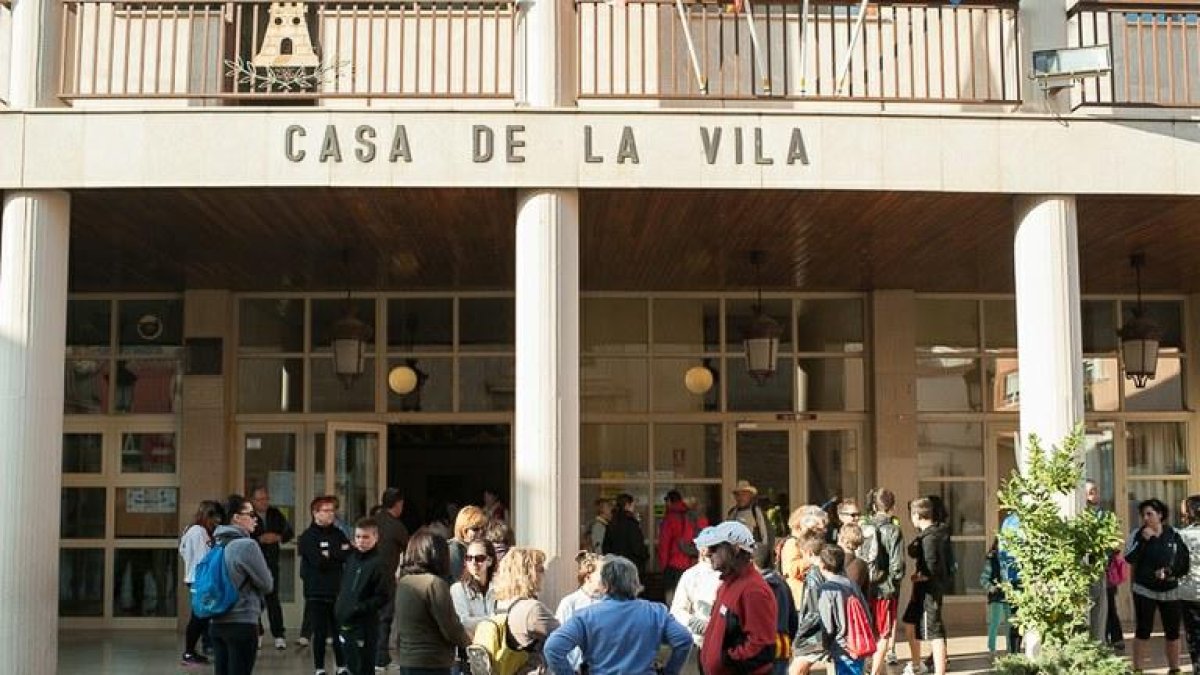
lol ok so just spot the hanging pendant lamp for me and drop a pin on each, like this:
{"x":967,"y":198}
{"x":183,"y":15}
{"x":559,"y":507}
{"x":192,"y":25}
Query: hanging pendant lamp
{"x":761,"y":341}
{"x":1140,"y":336}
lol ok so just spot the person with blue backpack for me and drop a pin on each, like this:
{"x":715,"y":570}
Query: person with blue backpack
{"x":228,"y":588}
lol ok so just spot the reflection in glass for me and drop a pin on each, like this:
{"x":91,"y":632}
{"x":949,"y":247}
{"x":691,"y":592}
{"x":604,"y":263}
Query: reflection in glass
{"x":1004,"y":384}
{"x":81,"y":582}
{"x":147,"y":513}
{"x":1000,"y":324}
{"x":148,"y":386}
{"x":1007,"y":463}
{"x":614,"y":451}
{"x":829,"y":325}
{"x":739,"y":317}
{"x":85,"y":390}
{"x":486,"y":324}
{"x":949,"y":384}
{"x":1171,"y":492}
{"x":687,"y":451}
{"x":613,"y":385}
{"x":82,"y":453}
{"x":1098,"y":464}
{"x":144,"y":582}
{"x":1164,"y":392}
{"x":745,"y":394}
{"x":613,"y":325}
{"x":1101,"y":384}
{"x":434,"y":386}
{"x":152,"y":327}
{"x":148,"y":453}
{"x":329,"y":394}
{"x":326,"y":311}
{"x":271,"y":324}
{"x":969,"y":555}
{"x":88,"y":324}
{"x":966,"y":501}
{"x":1099,"y":330}
{"x":1156,"y":449}
{"x":420,"y":324}
{"x":947,"y":326}
{"x":270,"y":385}
{"x":833,"y":458}
{"x":949,"y":449}
{"x":1168,"y":315}
{"x":764,"y":459}
{"x":831,"y":384}
{"x":356,"y":472}
{"x":687,"y":325}
{"x":670,"y":392}
{"x":486,"y":384}
{"x":270,"y":461}
{"x":83,"y":511}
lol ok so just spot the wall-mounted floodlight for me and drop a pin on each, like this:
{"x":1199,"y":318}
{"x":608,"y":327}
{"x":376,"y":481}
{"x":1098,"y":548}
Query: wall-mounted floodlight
{"x":1056,"y":69}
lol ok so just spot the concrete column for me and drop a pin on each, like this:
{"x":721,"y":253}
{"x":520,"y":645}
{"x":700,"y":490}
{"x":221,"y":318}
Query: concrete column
{"x":545,"y":72}
{"x":546,"y":434}
{"x":33,"y":318}
{"x":1046,"y":264}
{"x":36,"y":45}
{"x":894,"y":338}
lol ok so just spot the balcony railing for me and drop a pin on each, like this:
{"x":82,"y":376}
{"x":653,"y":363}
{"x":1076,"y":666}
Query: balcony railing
{"x":664,"y":49}
{"x":257,"y":49}
{"x":1155,"y":53}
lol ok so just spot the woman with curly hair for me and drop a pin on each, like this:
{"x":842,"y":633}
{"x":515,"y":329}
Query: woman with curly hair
{"x":469,"y":525}
{"x":517,"y":584}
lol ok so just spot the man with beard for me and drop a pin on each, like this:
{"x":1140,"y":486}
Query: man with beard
{"x":740,"y":636}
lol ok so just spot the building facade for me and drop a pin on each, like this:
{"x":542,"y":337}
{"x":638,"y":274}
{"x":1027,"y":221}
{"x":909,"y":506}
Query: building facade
{"x":555,"y":225}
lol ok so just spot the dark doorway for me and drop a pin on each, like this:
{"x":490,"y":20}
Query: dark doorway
{"x":439,"y":464}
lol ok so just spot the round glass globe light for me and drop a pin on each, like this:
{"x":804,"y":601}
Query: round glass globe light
{"x":402,"y":380}
{"x":698,"y":380}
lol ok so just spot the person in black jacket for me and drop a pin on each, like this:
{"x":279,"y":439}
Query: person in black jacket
{"x":1159,"y":558}
{"x":931,"y":550}
{"x":393,"y":539}
{"x":624,"y":536}
{"x":273,"y":530}
{"x":366,"y":587}
{"x":323,"y":551}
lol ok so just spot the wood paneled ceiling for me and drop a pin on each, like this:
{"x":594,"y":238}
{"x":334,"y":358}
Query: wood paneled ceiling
{"x":672,"y":240}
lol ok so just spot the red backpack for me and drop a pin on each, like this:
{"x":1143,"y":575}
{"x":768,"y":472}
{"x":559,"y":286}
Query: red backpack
{"x":860,"y":633}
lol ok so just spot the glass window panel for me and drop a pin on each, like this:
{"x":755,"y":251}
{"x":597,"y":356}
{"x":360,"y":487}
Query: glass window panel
{"x":687,"y":325}
{"x":88,"y":327}
{"x":831,"y":384}
{"x":1101,"y":384}
{"x":1006,"y":466}
{"x":613,"y":385}
{"x":1156,"y":448}
{"x":687,"y":451}
{"x":949,"y":449}
{"x":614,"y":451}
{"x":435,"y":380}
{"x":949,"y":384}
{"x":1003,"y":384}
{"x":746,"y":394}
{"x":591,"y":493}
{"x":764,"y":459}
{"x":833,"y":459}
{"x":486,"y":383}
{"x":81,"y":582}
{"x":144,"y":581}
{"x":83,"y":453}
{"x":1098,"y":464}
{"x":83,"y":511}
{"x":148,"y":386}
{"x":147,"y":513}
{"x":85,"y":390}
{"x":970,"y":556}
{"x":1000,"y":324}
{"x":150,"y":326}
{"x":1099,"y":319}
{"x":270,"y":461}
{"x":947,"y":325}
{"x":271,"y":324}
{"x":148,"y":453}
{"x":487,"y":324}
{"x":670,"y":386}
{"x":420,"y":324}
{"x":614,"y":325}
{"x":966,"y":501}
{"x":327,"y":311}
{"x":1171,"y":492}
{"x":739,"y":317}
{"x":1169,"y":317}
{"x":829,"y":325}
{"x":287,"y":571}
{"x":704,"y":503}
{"x":330,"y":394}
{"x":1164,"y":392}
{"x":270,"y":385}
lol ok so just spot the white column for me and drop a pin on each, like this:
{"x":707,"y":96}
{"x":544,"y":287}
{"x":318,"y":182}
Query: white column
{"x":1046,"y":264}
{"x":33,"y":71}
{"x":33,"y":317}
{"x":546,"y":56}
{"x":546,"y":434}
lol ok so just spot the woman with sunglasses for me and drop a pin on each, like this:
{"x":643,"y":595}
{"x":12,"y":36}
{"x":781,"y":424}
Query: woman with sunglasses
{"x":473,"y":597}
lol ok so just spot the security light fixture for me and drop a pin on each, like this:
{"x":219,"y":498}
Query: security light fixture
{"x":1056,"y":69}
{"x":1139,"y":336}
{"x":761,"y":340}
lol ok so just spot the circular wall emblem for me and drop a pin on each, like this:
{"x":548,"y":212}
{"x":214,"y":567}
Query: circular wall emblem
{"x":149,"y":327}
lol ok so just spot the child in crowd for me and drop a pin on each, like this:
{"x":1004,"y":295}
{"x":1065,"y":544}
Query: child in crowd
{"x":366,"y":587}
{"x":786,"y":620}
{"x":837,"y":595}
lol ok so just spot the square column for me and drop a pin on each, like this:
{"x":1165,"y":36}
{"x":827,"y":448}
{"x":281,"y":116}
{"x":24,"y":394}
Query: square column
{"x":1046,"y":265}
{"x":33,"y":328}
{"x":546,"y":429}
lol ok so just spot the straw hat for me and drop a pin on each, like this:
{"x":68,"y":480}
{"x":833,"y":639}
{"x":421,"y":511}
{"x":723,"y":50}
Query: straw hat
{"x":745,"y":486}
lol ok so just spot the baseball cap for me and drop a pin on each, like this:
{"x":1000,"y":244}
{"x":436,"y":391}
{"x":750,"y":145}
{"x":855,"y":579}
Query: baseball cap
{"x":729,"y":532}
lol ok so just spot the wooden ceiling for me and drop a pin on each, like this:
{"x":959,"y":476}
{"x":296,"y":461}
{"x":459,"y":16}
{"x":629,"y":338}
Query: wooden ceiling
{"x":673,"y":240}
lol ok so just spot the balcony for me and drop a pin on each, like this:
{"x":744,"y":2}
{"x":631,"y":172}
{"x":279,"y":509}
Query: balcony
{"x":895,"y":51}
{"x":1155,"y":53}
{"x":287,"y":52}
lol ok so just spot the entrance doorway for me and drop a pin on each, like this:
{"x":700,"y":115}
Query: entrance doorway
{"x":436,"y":465}
{"x":794,"y":463}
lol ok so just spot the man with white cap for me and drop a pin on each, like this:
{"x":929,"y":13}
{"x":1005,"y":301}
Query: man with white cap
{"x":747,"y":512}
{"x":740,"y":636}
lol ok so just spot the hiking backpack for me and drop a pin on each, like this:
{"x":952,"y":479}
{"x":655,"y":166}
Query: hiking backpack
{"x":860,"y":633}
{"x":492,"y":651}
{"x":874,"y":554}
{"x":212,"y":592}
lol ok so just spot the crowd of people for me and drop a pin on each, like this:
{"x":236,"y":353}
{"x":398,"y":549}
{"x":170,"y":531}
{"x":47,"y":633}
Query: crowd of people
{"x":742,"y":596}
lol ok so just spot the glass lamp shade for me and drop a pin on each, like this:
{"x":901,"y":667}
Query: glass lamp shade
{"x":402,"y":380}
{"x":349,"y":348}
{"x":762,"y":347}
{"x":698,"y":380}
{"x":1139,"y":348}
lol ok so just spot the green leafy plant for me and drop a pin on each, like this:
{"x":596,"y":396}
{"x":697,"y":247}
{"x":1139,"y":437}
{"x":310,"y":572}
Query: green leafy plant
{"x":1057,"y":558}
{"x":1080,"y":654}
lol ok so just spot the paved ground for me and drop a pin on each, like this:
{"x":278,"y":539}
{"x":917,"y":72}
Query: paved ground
{"x":141,"y":652}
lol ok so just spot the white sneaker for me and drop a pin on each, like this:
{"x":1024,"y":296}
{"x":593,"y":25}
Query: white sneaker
{"x":280,"y":644}
{"x":915,"y":668}
{"x":302,"y":642}
{"x":260,"y":642}
{"x":891,"y":658}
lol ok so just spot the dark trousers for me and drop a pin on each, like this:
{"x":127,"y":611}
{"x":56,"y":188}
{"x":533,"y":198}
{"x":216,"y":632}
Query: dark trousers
{"x":274,"y":611}
{"x":235,"y":646}
{"x":359,"y":641}
{"x":195,"y":628}
{"x":1143,"y":615}
{"x":1191,"y":624}
{"x":318,"y":614}
{"x":383,"y":655}
{"x":1113,"y":630}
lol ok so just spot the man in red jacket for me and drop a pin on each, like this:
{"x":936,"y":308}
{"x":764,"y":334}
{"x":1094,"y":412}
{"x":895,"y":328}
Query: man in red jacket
{"x":676,"y":550}
{"x":740,"y":637}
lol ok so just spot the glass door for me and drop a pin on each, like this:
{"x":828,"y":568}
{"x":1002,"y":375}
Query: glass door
{"x":349,"y":465}
{"x":799,"y":463}
{"x":271,"y":459}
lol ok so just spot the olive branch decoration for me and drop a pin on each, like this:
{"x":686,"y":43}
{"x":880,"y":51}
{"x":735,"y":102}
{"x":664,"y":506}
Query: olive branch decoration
{"x":287,"y":79}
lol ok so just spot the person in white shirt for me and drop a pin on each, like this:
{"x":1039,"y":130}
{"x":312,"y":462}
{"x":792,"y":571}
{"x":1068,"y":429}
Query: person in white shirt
{"x":693,"y":602}
{"x":472,"y":593}
{"x":590,"y":591}
{"x":193,"y":546}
